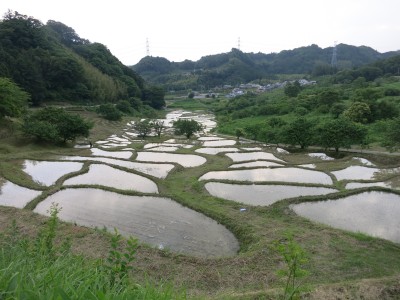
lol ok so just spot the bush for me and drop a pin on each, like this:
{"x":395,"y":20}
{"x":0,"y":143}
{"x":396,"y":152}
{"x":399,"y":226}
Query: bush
{"x":110,"y":112}
{"x":125,"y":107}
{"x":55,"y":125}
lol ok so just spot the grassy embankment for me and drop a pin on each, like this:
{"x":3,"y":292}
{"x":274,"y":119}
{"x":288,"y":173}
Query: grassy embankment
{"x":340,"y":263}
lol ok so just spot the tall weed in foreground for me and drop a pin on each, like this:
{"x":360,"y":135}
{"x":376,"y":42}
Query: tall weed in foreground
{"x":43,"y":269}
{"x":294,"y":257}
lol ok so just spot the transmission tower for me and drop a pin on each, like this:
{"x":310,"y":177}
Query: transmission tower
{"x":334,"y":56}
{"x":147,"y":47}
{"x":238,"y":43}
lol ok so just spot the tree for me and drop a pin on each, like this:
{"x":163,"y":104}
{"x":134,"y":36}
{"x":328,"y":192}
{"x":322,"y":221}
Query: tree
{"x":328,"y":97}
{"x":298,"y":132}
{"x":341,"y":132}
{"x":359,"y":112}
{"x":337,"y":109}
{"x":13,"y":100}
{"x":143,"y":128}
{"x":253,"y":130}
{"x":391,"y":134}
{"x":158,"y":127}
{"x":239,"y":132}
{"x":55,"y":125}
{"x":187,"y":127}
{"x":292,"y":89}
{"x":124,"y":106}
{"x":154,"y":97}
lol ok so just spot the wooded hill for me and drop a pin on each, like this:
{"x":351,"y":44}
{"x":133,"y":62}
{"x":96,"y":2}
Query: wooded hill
{"x":52,"y":63}
{"x":237,"y":67}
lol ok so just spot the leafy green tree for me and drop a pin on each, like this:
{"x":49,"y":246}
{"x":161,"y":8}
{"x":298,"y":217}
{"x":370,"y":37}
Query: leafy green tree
{"x":359,"y":112}
{"x":270,"y":135}
{"x":55,"y":125}
{"x":391,"y":134}
{"x":109,"y":112}
{"x":13,"y":100}
{"x":292,"y":89}
{"x":337,"y":109}
{"x":124,"y":106}
{"x":143,"y":128}
{"x":328,"y":97}
{"x":136,"y":103}
{"x":191,"y":95}
{"x":253,"y":130}
{"x":154,"y":96}
{"x":340,"y":133}
{"x":239,"y":132}
{"x":187,"y":127}
{"x":298,"y":132}
{"x":158,"y":126}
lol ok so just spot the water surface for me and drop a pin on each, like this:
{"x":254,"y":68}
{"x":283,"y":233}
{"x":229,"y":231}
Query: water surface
{"x":111,"y":177}
{"x":157,"y":221}
{"x":262,"y":194}
{"x":373,"y":213}
{"x":48,"y":172}
{"x":185,"y":160}
{"x":220,"y":143}
{"x":214,"y":151}
{"x":356,"y":173}
{"x":247,"y":156}
{"x":256,"y":164}
{"x":15,"y":195}
{"x":114,"y":154}
{"x":277,"y":174}
{"x":156,"y":170}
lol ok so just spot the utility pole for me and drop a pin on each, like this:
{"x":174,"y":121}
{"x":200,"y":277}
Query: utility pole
{"x":238,"y":43}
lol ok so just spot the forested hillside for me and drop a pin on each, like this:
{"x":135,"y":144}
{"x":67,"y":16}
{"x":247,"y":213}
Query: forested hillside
{"x":237,"y":67}
{"x":52,"y":63}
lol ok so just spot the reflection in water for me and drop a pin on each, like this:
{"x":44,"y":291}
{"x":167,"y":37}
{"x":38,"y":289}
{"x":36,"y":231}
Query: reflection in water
{"x":185,"y":160}
{"x":111,"y":177}
{"x":373,"y":213}
{"x":47,"y":172}
{"x":356,"y":173}
{"x":156,"y":170}
{"x":158,"y":221}
{"x":115,"y":154}
{"x":246,"y":156}
{"x":278,"y":174}
{"x":163,"y":149}
{"x":262,"y":194}
{"x":15,"y":195}
{"x":220,"y":143}
{"x":214,"y":151}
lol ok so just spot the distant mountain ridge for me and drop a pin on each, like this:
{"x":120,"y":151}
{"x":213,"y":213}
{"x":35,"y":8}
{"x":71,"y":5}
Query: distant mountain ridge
{"x":236,"y":67}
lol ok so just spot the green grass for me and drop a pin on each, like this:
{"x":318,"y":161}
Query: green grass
{"x":335,"y":256}
{"x":40,"y":269}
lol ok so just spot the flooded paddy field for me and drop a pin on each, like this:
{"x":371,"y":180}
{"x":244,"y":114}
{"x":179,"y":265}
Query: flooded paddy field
{"x":213,"y":197}
{"x":262,"y":195}
{"x":372,"y":213}
{"x":15,"y":195}
{"x":157,"y":221}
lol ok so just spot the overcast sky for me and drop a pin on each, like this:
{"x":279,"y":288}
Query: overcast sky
{"x":190,"y":29}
